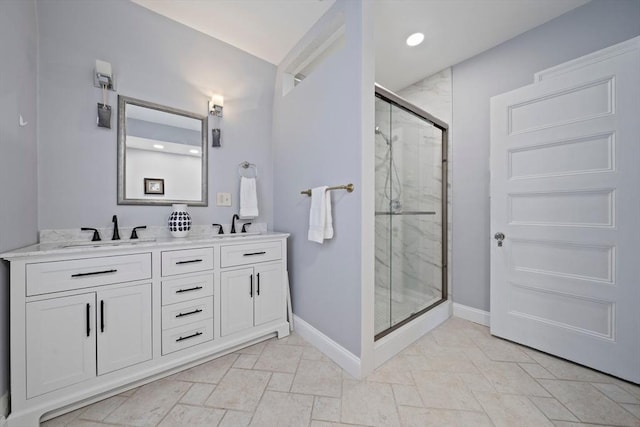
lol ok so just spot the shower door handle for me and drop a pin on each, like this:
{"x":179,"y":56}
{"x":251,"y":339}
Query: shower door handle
{"x":499,"y":236}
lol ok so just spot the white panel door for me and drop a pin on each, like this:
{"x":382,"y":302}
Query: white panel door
{"x":565,"y":192}
{"x":269,"y":298}
{"x":236,"y":300}
{"x":123,"y":327}
{"x":61,"y":343}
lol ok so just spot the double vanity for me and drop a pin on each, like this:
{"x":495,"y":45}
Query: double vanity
{"x":91,"y":320}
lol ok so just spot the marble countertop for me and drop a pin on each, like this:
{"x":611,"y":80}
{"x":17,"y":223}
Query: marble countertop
{"x":88,"y":247}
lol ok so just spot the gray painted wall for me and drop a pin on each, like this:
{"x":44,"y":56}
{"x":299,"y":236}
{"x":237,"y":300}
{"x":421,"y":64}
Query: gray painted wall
{"x":317,"y":141}
{"x":596,"y":25}
{"x":18,"y":168}
{"x":154,"y":59}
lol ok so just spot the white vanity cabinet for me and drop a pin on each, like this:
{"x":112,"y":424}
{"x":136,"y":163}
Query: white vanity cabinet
{"x":250,"y":297}
{"x":61,"y":342}
{"x":74,"y":338}
{"x":123,"y":327}
{"x":84,"y":319}
{"x":87,"y":323}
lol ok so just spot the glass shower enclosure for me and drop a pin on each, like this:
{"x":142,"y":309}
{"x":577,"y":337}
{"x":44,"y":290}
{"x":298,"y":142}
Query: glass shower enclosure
{"x":411,"y":212}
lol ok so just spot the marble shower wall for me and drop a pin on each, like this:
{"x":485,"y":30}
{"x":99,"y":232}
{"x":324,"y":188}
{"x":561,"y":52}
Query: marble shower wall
{"x":408,"y":247}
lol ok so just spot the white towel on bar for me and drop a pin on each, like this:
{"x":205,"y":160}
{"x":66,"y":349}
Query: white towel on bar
{"x":248,"y":198}
{"x":320,"y":219}
{"x":328,"y":220}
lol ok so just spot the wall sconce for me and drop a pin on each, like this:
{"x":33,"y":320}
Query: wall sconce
{"x":103,"y":78}
{"x":215,"y":105}
{"x":215,"y":110}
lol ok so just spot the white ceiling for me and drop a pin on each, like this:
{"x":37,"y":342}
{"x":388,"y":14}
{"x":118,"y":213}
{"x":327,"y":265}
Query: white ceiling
{"x":455,"y":30}
{"x":268,"y":29}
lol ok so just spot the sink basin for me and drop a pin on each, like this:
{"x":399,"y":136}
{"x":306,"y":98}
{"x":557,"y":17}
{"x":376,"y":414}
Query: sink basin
{"x":107,"y":243}
{"x":236,"y":235}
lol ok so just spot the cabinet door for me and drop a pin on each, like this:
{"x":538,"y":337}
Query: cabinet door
{"x":123,"y":327}
{"x":236,"y":300}
{"x":61,"y":342}
{"x":269,"y":297}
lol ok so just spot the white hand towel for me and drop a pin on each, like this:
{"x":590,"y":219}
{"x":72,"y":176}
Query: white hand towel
{"x":328,"y":219}
{"x":248,"y":198}
{"x":317,"y":214}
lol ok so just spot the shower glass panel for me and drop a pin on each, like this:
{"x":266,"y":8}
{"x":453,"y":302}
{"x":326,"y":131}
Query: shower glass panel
{"x":410,"y":207}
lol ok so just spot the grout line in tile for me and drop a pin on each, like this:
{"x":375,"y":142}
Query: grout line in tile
{"x":221,"y":418}
{"x":563,"y":405}
{"x":629,"y":410}
{"x":174,"y":405}
{"x":107,"y":415}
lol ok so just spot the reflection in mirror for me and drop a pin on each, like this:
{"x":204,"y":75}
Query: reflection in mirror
{"x":162,"y":155}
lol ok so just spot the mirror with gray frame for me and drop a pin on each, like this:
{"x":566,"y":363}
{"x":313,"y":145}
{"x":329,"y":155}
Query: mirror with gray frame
{"x":162,"y":155}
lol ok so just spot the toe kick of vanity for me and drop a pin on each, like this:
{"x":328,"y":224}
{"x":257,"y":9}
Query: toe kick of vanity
{"x":90,"y":324}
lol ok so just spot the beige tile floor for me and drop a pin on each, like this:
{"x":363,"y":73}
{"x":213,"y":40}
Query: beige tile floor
{"x":457,"y":375}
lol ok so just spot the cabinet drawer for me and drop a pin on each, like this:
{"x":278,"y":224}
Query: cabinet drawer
{"x":58,"y":276}
{"x":250,"y":253}
{"x":186,"y":261}
{"x":184,"y":313}
{"x":186,"y":288}
{"x":186,"y":336}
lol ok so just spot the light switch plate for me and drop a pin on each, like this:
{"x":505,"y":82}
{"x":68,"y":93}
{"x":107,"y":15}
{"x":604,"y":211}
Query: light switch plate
{"x":223,"y":199}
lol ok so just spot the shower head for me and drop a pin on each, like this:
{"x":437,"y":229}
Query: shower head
{"x":385,"y":137}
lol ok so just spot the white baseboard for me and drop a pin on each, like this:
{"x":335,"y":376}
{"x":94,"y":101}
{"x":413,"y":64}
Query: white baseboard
{"x":4,"y":409}
{"x":393,"y":343}
{"x":471,"y":314}
{"x":334,"y":351}
{"x":387,"y":347}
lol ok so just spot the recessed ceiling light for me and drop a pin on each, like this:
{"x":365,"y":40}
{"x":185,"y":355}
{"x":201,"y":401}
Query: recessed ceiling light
{"x":158,"y":146}
{"x":194,"y":151}
{"x":415,"y":39}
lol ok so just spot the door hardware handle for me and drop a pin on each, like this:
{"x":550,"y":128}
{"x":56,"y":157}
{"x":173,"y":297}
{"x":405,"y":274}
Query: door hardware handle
{"x":191,"y":261}
{"x":179,"y":291}
{"x":189,"y":313}
{"x":258,"y":287}
{"x":93,"y":273}
{"x":101,"y":315}
{"x":254,"y":253}
{"x":88,"y":319}
{"x":189,"y":336}
{"x":499,"y":236}
{"x":251,"y":286}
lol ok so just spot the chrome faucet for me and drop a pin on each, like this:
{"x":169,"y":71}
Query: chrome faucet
{"x":233,"y":223}
{"x":116,"y":234}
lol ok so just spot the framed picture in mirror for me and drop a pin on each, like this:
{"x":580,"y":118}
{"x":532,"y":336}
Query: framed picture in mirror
{"x":153,"y":186}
